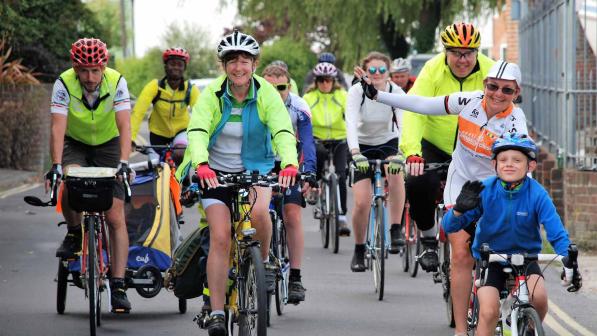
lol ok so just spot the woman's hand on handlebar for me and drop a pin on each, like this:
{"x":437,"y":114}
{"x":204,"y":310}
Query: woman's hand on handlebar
{"x":287,"y":176}
{"x":415,"y":165}
{"x":207,"y":177}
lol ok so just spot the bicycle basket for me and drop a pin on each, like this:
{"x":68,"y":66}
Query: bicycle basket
{"x":90,"y":188}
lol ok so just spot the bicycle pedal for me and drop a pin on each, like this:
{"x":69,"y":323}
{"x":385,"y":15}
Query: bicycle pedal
{"x":120,"y":311}
{"x":437,"y":277}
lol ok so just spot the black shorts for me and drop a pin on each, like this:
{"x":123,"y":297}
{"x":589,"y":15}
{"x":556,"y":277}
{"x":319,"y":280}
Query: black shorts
{"x":496,"y":277}
{"x":293,"y":194}
{"x":378,"y":152}
{"x":104,"y":155}
{"x":224,"y":195}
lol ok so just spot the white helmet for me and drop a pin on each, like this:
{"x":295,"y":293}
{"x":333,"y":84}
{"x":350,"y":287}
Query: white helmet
{"x":238,"y":41}
{"x":325,"y":70}
{"x":401,"y":65}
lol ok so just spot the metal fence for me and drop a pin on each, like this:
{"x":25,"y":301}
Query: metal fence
{"x":558,"y":41}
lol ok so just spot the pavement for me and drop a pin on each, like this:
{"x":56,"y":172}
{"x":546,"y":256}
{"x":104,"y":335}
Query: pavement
{"x":15,"y":181}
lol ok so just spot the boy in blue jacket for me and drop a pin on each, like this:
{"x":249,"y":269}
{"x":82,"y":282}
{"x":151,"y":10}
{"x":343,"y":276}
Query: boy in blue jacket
{"x":509,"y":209}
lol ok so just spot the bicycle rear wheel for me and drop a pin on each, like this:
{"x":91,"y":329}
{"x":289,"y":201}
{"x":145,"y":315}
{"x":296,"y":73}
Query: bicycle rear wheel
{"x":324,"y":227}
{"x":282,"y":283}
{"x":529,"y":322}
{"x":380,"y":249}
{"x":404,"y":252}
{"x":413,"y":244}
{"x":333,"y":218}
{"x":252,"y":299}
{"x":92,"y":274}
{"x":62,"y":282}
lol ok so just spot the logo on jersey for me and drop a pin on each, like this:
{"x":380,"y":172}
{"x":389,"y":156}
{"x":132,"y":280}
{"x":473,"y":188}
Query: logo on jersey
{"x":463,"y":101}
{"x":60,"y":96}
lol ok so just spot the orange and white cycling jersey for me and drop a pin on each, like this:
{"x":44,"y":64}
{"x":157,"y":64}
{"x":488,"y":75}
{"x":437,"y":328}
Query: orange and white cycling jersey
{"x":471,"y":159}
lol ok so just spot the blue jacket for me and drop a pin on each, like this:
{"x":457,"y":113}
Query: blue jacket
{"x":300,"y":116}
{"x":509,"y":220}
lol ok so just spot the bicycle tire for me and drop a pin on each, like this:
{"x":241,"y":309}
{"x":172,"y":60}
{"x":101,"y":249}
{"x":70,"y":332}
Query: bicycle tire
{"x":252,"y":297}
{"x":61,"y":287}
{"x":282,"y":283}
{"x":529,"y":320}
{"x":414,"y":246}
{"x":405,"y":233}
{"x":92,"y":288}
{"x":333,"y":219}
{"x":324,"y":226}
{"x":380,"y":249}
{"x":445,"y":277}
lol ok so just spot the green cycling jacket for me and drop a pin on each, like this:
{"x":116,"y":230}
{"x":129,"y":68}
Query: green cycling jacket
{"x":327,"y":114}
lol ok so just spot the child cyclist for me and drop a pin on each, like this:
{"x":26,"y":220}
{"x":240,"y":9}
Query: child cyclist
{"x":516,"y":230}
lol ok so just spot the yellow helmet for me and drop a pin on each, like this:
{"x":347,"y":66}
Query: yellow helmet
{"x":461,"y":35}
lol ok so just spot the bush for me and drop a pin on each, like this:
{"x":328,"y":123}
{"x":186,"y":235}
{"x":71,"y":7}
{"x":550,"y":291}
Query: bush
{"x":298,"y":56}
{"x":139,"y":71}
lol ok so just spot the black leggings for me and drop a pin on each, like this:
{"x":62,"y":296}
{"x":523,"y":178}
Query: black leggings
{"x":422,"y":191}
{"x":340,"y":160}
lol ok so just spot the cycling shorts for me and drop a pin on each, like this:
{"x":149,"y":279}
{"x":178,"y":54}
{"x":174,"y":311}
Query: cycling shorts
{"x":292,"y":195}
{"x":497,"y":278}
{"x":104,"y":155}
{"x":378,"y":152}
{"x":219,"y":195}
{"x":179,"y":139}
{"x":454,"y":183}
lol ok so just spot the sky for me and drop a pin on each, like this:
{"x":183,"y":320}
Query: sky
{"x":153,"y":16}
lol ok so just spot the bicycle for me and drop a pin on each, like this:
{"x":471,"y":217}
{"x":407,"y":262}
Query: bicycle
{"x":246,"y":297}
{"x":329,"y":200}
{"x":89,"y":192}
{"x":413,"y":246}
{"x":377,"y":244}
{"x":515,"y":308}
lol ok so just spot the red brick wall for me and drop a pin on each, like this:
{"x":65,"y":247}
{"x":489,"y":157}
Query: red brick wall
{"x":505,"y":31}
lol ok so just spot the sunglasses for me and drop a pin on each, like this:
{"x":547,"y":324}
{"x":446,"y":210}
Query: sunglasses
{"x":324,"y":79}
{"x":460,"y":54}
{"x":505,"y":90}
{"x":382,"y":70}
{"x":282,"y":87}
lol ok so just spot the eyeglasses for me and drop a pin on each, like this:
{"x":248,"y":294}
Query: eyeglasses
{"x":382,"y":70}
{"x":282,"y":87}
{"x":505,"y":90}
{"x":324,"y":79}
{"x":466,"y":55}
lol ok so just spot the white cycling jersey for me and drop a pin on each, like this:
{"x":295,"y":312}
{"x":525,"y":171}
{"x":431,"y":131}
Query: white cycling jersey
{"x":471,"y":159}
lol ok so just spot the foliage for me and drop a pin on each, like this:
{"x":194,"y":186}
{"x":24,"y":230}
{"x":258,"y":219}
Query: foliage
{"x":13,"y":72}
{"x":297,"y":56}
{"x":139,"y":71}
{"x":194,"y":39}
{"x":41,"y":31}
{"x":352,"y":28}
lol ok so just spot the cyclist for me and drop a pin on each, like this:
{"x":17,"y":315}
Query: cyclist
{"x":513,"y":157}
{"x":90,"y":126}
{"x":293,"y":198}
{"x":400,"y":74}
{"x":327,"y":100}
{"x":292,"y":82}
{"x":172,"y":98}
{"x":324,"y":57}
{"x":483,"y":117}
{"x":235,"y":123}
{"x":372,"y":133}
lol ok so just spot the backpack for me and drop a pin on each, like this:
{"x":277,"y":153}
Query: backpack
{"x":162,"y":85}
{"x":188,"y":272}
{"x":394,"y":119}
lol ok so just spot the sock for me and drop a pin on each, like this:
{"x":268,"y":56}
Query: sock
{"x":117,"y":283}
{"x":266,"y":260}
{"x":359,"y":248}
{"x":395,"y":226}
{"x":216,"y":312}
{"x":295,"y":274}
{"x":76,"y":230}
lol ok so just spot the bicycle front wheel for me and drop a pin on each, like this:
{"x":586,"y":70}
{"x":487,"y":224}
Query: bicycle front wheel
{"x":529,"y":322}
{"x":92,"y":271}
{"x":324,"y":226}
{"x":404,"y":252}
{"x":333,"y":218}
{"x":380,"y":249}
{"x":413,"y":244}
{"x":62,"y":281}
{"x":282,"y":283}
{"x":252,"y":299}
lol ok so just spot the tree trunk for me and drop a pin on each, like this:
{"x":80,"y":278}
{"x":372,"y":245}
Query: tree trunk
{"x":429,"y":19}
{"x":394,"y":40}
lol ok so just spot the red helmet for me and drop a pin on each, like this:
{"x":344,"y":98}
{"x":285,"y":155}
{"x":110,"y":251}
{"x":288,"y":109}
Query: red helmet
{"x":89,"y":52}
{"x":176,"y":52}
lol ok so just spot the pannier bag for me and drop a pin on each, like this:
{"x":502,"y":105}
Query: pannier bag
{"x":189,"y":265}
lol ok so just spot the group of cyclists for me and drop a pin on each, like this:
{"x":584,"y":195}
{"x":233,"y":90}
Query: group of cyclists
{"x":459,"y":108}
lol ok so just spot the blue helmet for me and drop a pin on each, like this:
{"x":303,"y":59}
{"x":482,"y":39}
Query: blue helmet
{"x":327,"y":57}
{"x":519,"y":142}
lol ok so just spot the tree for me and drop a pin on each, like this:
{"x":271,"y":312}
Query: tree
{"x":351,"y":28}
{"x":42,"y":31}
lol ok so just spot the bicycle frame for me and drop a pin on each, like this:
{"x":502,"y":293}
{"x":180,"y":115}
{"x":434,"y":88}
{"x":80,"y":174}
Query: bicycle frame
{"x":96,"y":221}
{"x":378,"y":193}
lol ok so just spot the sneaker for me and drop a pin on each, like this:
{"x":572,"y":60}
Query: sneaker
{"x":120,"y":302}
{"x":271,"y":273}
{"x":429,"y":260}
{"x":358,"y":262}
{"x":71,"y":245}
{"x":203,"y":318}
{"x":216,"y":325}
{"x":396,"y":239}
{"x":343,"y":229}
{"x":296,"y":292}
{"x":312,"y":198}
{"x":317,"y":213}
